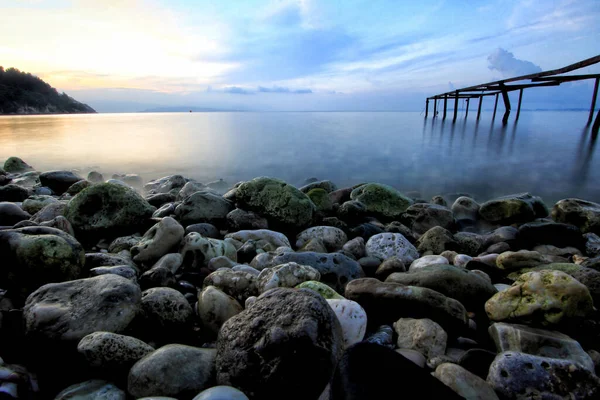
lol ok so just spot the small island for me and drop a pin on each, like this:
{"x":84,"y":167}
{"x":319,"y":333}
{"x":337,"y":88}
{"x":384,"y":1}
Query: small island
{"x":24,"y":93}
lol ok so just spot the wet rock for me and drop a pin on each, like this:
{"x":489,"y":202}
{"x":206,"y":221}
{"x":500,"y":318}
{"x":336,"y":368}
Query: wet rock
{"x":477,"y":361}
{"x":516,"y":208}
{"x":523,"y":376}
{"x":538,"y":342}
{"x":422,"y":335}
{"x":93,"y":389}
{"x":426,"y":261}
{"x":556,"y":234}
{"x":15,"y":164}
{"x":282,"y":204}
{"x":174,"y":370}
{"x":11,"y":213}
{"x":13,"y":193}
{"x":59,"y":181}
{"x":332,"y":238}
{"x":341,"y":195}
{"x":510,"y":260}
{"x":315,"y":245}
{"x":49,"y":212}
{"x":583,"y":214}
{"x":166,"y":210}
{"x":286,"y":275}
{"x":203,"y":207}
{"x":215,"y":307}
{"x":112,"y":352}
{"x":366,"y":231}
{"x":464,"y":383}
{"x":27,"y":179}
{"x":507,"y":234}
{"x":162,"y":238}
{"x":238,"y":220}
{"x":421,"y":217}
{"x":556,"y":252}
{"x":68,"y":311}
{"x":321,"y":288}
{"x":386,"y":302}
{"x":461,"y":260}
{"x":190,"y":188}
{"x":197,"y":250}
{"x":436,"y":241}
{"x":381,"y":201}
{"x":268,"y":240}
{"x":386,"y":245}
{"x":547,"y":297}
{"x":237,"y":284}
{"x":105,"y":209}
{"x":285,"y":345}
{"x":370,"y":371}
{"x":34,"y":256}
{"x":221,"y":393}
{"x":336,"y":269}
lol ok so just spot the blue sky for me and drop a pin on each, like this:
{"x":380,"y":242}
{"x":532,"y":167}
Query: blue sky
{"x":127,"y":55}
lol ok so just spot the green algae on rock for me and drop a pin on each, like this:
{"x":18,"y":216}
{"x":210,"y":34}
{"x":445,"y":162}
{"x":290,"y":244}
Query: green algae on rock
{"x":381,"y":200}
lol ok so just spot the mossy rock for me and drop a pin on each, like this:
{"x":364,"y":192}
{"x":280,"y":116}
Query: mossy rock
{"x":321,"y":199}
{"x":15,"y":164}
{"x":515,"y":208}
{"x":381,"y":200}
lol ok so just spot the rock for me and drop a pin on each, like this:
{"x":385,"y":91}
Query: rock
{"x":386,"y":302}
{"x":221,"y":393}
{"x":421,"y":217}
{"x":59,"y":181}
{"x":314,"y":245}
{"x":173,"y":370}
{"x":507,"y":234}
{"x":469,"y":243}
{"x":461,"y":260}
{"x":514,"y":208}
{"x":166,"y":314}
{"x":220,"y":262}
{"x":546,"y":297}
{"x":78,"y":187}
{"x":11,"y":213}
{"x":332,"y":238}
{"x":436,"y":241}
{"x":556,"y":234}
{"x":356,"y":247}
{"x":34,"y":256}
{"x":366,"y":231}
{"x":105,"y":209}
{"x":203,"y":207}
{"x":215,"y":307}
{"x":237,"y":284}
{"x":197,"y":251}
{"x":49,"y":212}
{"x":238,"y":220}
{"x":165,"y":184}
{"x":205,"y":229}
{"x":583,"y":214}
{"x":389,"y":266}
{"x":15,"y":164}
{"x":283,"y":205}
{"x":327,"y":186}
{"x":381,"y":201}
{"x":123,"y":243}
{"x":160,"y":199}
{"x":190,"y":188}
{"x":414,"y":356}
{"x":13,"y":193}
{"x":352,"y":318}
{"x":458,"y":283}
{"x":422,"y":335}
{"x":93,"y":390}
{"x":321,"y":200}
{"x":321,"y":288}
{"x":352,"y":211}
{"x":286,"y":345}
{"x":369,"y":265}
{"x":439,"y":200}
{"x":464,"y":383}
{"x":556,"y":252}
{"x":465,"y":210}
{"x":341,"y":195}
{"x":286,"y":275}
{"x":592,"y":244}
{"x":477,"y":361}
{"x":539,"y":342}
{"x":166,"y":210}
{"x":370,"y":371}
{"x":386,"y":245}
{"x":95,"y":177}
{"x":524,"y":376}
{"x":61,"y":223}
{"x":33,"y":204}
{"x":27,"y":179}
{"x":122,"y":270}
{"x":68,"y":311}
{"x":112,"y":352}
{"x":510,"y":260}
{"x":272,"y":240}
{"x":336,"y":269}
{"x":163,"y":272}
{"x":426,"y":261}
{"x":161,"y":239}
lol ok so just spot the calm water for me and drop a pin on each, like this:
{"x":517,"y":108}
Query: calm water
{"x":547,"y":153}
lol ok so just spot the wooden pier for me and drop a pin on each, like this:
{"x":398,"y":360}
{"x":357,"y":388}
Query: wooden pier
{"x":541,"y":79}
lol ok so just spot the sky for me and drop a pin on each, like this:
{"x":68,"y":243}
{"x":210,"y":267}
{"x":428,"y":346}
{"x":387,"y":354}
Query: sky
{"x":304,"y":55}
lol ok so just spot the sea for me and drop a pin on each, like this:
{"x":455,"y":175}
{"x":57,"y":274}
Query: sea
{"x":547,"y":153}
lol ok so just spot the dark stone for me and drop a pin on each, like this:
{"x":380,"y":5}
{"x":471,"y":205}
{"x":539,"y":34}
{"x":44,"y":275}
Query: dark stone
{"x":203,"y":207}
{"x":94,"y":260}
{"x":351,"y":211}
{"x":515,"y":208}
{"x":583,"y":214}
{"x":436,"y":240}
{"x":336,"y":223}
{"x":59,"y":181}
{"x":365,"y":231}
{"x":285,"y":345}
{"x":328,"y":186}
{"x":13,"y":193}
{"x":159,"y":199}
{"x":421,"y":217}
{"x":553,"y":233}
{"x":205,"y":229}
{"x":11,"y":213}
{"x":370,"y":371}
{"x":369,"y":265}
{"x":398,"y":227}
{"x":239,"y":219}
{"x":477,"y":361}
{"x":95,"y":177}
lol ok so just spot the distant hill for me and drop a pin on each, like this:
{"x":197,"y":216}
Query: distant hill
{"x":23,"y":93}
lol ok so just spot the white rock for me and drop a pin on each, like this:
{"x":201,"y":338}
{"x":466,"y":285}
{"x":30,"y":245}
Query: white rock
{"x":158,"y":241}
{"x":386,"y":245}
{"x":461,"y":260}
{"x":333,"y":238}
{"x":426,"y":261}
{"x":353,"y":319}
{"x":286,"y":275}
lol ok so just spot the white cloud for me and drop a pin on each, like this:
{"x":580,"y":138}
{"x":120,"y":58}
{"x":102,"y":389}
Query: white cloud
{"x":505,"y":62}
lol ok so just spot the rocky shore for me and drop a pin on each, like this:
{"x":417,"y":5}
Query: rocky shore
{"x":123,"y":289}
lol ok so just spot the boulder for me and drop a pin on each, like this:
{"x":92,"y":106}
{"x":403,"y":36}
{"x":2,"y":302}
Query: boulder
{"x":515,"y":208}
{"x":514,"y":260}
{"x":465,"y":210}
{"x":333,"y":238}
{"x":422,"y":335}
{"x":381,"y":201}
{"x":321,"y":200}
{"x":165,"y":314}
{"x":174,"y":370}
{"x":68,"y":311}
{"x":421,"y":217}
{"x":95,"y":177}
{"x":583,"y":214}
{"x":78,"y":187}
{"x":285,"y":345}
{"x":106,"y":209}
{"x":163,"y":272}
{"x":203,"y":207}
{"x":387,"y":245}
{"x":356,"y":247}
{"x":283,"y":205}
{"x":59,"y":181}
{"x":165,"y":184}
{"x":125,"y":271}
{"x":158,"y":241}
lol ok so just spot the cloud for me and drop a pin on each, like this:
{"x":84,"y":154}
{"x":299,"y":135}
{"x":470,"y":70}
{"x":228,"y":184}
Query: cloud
{"x":279,"y":89}
{"x":505,"y":62}
{"x":237,"y":90}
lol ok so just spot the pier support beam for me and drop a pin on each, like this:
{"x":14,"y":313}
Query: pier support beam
{"x":455,"y":106}
{"x":495,"y":107}
{"x":593,"y":101}
{"x":506,"y":104}
{"x":467,"y":112}
{"x":435,"y":108}
{"x":479,"y":107}
{"x":426,"y":107}
{"x":596,"y":126}
{"x":519,"y":106}
{"x":445,"y":103}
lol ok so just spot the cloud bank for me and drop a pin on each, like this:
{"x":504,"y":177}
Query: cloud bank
{"x":505,"y":62}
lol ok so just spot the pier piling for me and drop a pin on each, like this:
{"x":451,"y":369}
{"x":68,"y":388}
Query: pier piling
{"x":519,"y":106}
{"x":479,"y":107}
{"x":594,"y":95}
